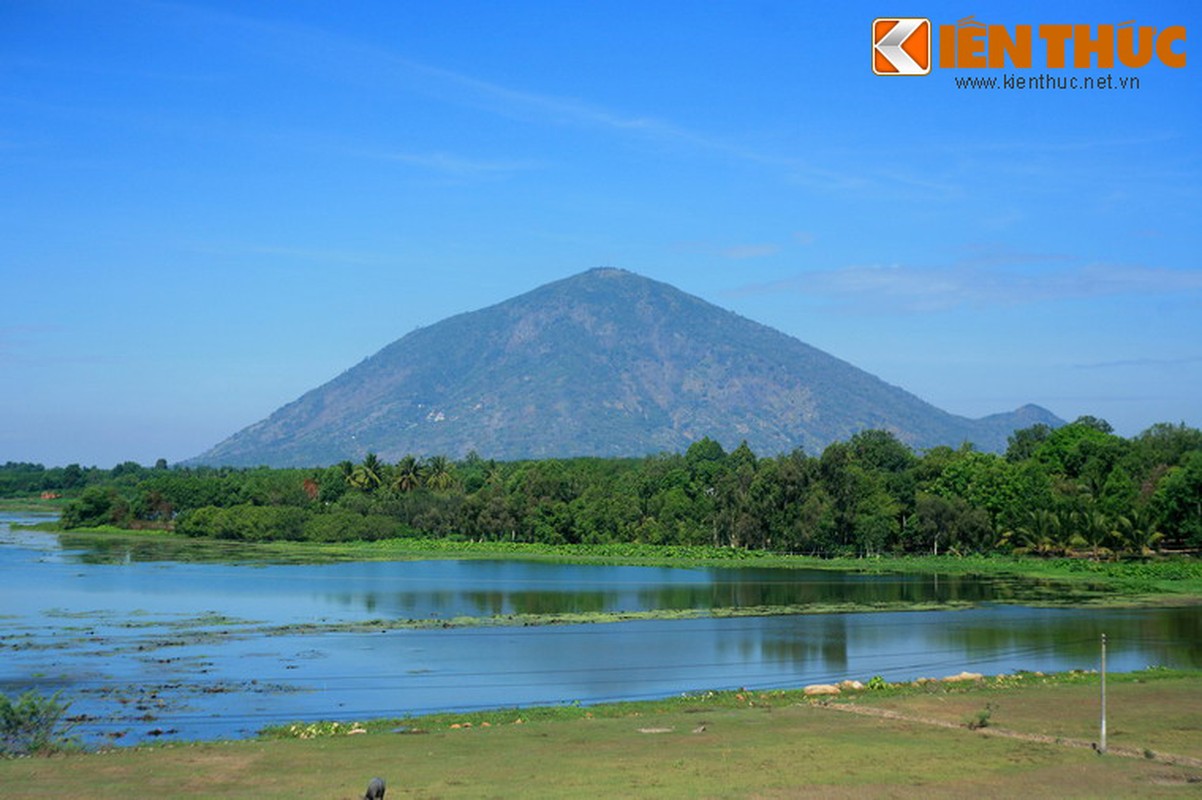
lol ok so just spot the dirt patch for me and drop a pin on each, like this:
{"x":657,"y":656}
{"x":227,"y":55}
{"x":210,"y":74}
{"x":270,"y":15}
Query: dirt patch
{"x":1125,"y":752}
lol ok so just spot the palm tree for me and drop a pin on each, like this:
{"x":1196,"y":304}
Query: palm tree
{"x":366,"y":476}
{"x":1137,"y":532}
{"x":439,"y":476}
{"x":1093,"y":530}
{"x":408,"y":475}
{"x":494,"y":475}
{"x":1040,"y":532}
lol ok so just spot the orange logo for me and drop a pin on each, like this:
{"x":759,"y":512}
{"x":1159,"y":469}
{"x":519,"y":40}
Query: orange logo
{"x":901,"y":46}
{"x":970,"y":44}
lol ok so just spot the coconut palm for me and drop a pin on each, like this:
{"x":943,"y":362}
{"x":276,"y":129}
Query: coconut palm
{"x":408,"y":475}
{"x":1094,"y":530}
{"x":438,"y":473}
{"x":366,"y":476}
{"x":1041,"y":532}
{"x":1137,"y":532}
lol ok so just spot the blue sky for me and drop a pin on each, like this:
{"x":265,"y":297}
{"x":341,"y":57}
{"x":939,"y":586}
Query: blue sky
{"x":208,"y":208}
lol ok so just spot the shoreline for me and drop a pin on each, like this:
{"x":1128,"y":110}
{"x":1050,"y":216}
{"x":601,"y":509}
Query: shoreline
{"x":848,"y":692}
{"x":1022,"y":734}
{"x":1155,"y":581}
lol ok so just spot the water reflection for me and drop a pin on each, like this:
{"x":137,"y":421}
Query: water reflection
{"x":499,"y":588}
{"x":476,"y":588}
{"x":186,"y":641}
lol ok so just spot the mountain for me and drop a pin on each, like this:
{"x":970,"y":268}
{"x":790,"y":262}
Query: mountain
{"x":605,"y":363}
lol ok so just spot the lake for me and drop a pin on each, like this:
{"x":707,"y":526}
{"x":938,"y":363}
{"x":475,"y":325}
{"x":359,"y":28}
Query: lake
{"x":148,"y":648}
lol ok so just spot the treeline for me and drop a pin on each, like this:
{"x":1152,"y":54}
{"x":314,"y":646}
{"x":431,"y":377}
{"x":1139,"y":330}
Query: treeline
{"x":1077,"y":488}
{"x":21,"y":479}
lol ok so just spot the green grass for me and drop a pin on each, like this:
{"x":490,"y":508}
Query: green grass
{"x":33,"y":503}
{"x":731,"y":744}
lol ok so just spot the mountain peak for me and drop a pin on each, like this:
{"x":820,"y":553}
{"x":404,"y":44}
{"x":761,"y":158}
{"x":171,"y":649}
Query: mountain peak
{"x":602,"y":363}
{"x":610,"y":272}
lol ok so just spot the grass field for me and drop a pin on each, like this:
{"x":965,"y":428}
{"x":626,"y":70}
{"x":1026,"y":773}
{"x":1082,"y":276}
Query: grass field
{"x":900,"y":742}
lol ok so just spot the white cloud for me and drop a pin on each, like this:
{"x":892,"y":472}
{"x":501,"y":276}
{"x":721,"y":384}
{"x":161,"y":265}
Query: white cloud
{"x":745,"y":251}
{"x":1142,"y":362}
{"x":979,"y":284}
{"x":337,"y":57}
{"x":458,"y":165}
{"x":735,"y":252}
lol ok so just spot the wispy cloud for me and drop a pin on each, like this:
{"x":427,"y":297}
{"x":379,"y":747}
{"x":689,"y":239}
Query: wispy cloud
{"x":548,"y":109}
{"x":978,"y":284}
{"x":745,"y":251}
{"x":1072,"y":144}
{"x":24,"y":346}
{"x":735,"y":252}
{"x":459,"y":166}
{"x":338,"y":57}
{"x":1142,"y":362}
{"x":293,"y":253}
{"x":76,"y":68}
{"x":346,"y":58}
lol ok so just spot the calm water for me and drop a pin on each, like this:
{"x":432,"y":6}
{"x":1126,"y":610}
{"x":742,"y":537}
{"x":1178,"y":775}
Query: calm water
{"x":151,"y":647}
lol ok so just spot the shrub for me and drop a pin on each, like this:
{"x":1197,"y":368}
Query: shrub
{"x":347,"y":526}
{"x":96,"y":506}
{"x":244,"y":522}
{"x":33,"y":724}
{"x":980,"y":719}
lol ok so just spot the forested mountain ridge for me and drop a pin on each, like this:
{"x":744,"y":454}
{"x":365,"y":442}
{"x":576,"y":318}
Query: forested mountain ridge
{"x":604,"y":363}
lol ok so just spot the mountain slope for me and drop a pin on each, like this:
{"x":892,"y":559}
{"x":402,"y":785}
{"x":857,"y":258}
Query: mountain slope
{"x":604,"y":363}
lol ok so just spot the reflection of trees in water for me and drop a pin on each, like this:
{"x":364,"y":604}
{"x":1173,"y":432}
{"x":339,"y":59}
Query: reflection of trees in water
{"x":719,"y":588}
{"x":820,"y":643}
{"x":919,"y":641}
{"x":1165,"y":636}
{"x":1160,"y":636}
{"x":819,"y":589}
{"x":402,"y":604}
{"x":802,"y":643}
{"x":126,"y":550}
{"x":498,"y":602}
{"x":1184,"y":628}
{"x":542,"y":602}
{"x":824,"y":589}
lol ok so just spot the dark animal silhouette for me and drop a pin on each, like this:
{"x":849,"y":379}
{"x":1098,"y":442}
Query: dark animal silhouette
{"x":375,"y":790}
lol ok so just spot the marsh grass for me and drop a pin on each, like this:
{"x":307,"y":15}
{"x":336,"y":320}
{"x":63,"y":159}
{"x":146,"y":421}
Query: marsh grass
{"x":33,"y":503}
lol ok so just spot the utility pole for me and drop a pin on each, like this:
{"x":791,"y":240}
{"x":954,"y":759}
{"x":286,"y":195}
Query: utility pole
{"x":1102,"y":741}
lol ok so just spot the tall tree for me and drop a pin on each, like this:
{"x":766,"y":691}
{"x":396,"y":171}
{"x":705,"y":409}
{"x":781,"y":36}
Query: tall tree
{"x":1179,"y":502}
{"x":407,"y":475}
{"x":1138,"y":533}
{"x":1094,"y":530}
{"x":1023,"y":443}
{"x":1041,"y":532}
{"x":439,"y":474}
{"x":367,"y":476}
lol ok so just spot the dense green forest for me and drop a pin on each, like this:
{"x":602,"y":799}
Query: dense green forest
{"x":1078,"y":488}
